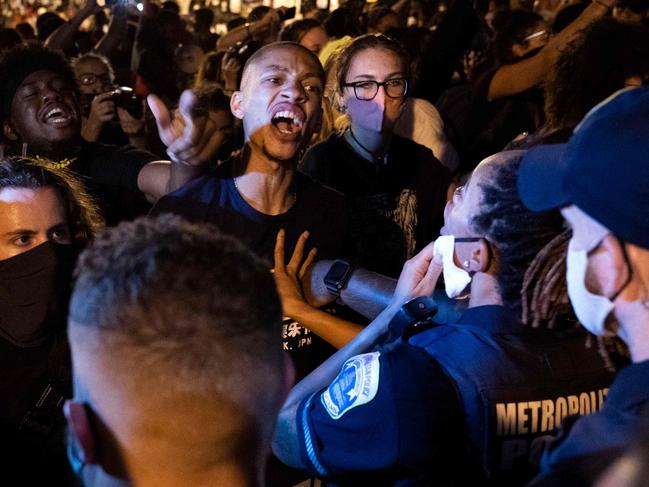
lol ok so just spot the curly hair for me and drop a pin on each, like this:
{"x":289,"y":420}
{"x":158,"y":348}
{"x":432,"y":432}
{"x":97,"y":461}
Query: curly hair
{"x":592,"y":66}
{"x":19,"y":62}
{"x":81,"y":211}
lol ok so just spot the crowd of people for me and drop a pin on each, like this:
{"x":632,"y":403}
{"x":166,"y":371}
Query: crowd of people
{"x":398,"y":243}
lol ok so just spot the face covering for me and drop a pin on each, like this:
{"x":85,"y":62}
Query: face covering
{"x":34,"y":293}
{"x":366,"y":114}
{"x":591,"y":309}
{"x":456,"y":279}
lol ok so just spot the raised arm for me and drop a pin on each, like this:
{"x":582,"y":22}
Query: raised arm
{"x":248,"y":31}
{"x":288,"y":278}
{"x":63,"y":37}
{"x":191,"y":139}
{"x":518,"y":77}
{"x":117,"y":32}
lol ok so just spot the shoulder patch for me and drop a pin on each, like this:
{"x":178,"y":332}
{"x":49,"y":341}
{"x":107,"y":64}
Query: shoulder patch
{"x":355,"y":385}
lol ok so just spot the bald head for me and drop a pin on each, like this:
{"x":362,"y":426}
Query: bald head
{"x":265,"y":56}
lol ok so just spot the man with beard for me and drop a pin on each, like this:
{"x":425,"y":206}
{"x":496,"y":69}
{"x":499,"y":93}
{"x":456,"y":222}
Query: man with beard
{"x":39,"y":114}
{"x":254,"y":195}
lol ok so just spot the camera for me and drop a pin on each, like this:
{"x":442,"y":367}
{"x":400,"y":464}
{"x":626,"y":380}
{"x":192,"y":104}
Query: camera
{"x":241,"y":51}
{"x":124,"y":97}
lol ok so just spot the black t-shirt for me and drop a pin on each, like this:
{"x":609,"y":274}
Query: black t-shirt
{"x":396,"y":208}
{"x":214,"y":199}
{"x":32,"y":447}
{"x":110,"y":175}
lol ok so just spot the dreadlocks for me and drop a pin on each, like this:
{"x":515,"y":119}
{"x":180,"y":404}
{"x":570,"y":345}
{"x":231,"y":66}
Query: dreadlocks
{"x":519,"y":236}
{"x":544,"y":298}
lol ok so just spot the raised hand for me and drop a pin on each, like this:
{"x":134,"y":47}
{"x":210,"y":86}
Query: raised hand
{"x":288,"y":277}
{"x":189,"y":134}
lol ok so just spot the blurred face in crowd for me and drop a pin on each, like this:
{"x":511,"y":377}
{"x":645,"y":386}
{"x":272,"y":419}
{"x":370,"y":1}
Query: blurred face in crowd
{"x":380,"y":113}
{"x":280,"y":101}
{"x":315,"y":39}
{"x":29,"y":218}
{"x":44,"y":112}
{"x":93,"y":76}
{"x":387,"y":22}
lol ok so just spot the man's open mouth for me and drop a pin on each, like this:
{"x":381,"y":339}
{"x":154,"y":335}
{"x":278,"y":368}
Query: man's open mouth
{"x":57,"y":115}
{"x":287,"y":122}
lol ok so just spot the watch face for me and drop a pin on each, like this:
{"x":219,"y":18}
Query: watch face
{"x":337,"y":272}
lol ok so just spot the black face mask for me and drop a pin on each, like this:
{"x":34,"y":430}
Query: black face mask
{"x":34,"y":293}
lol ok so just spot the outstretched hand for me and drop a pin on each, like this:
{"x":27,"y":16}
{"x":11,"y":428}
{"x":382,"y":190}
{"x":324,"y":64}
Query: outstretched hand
{"x":189,"y":134}
{"x":418,"y":277}
{"x":288,"y":277}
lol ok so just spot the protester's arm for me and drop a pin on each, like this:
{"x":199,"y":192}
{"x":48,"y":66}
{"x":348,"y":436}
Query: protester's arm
{"x":334,"y":330}
{"x":518,"y":77}
{"x":366,"y":292}
{"x":418,"y":278}
{"x":248,"y":31}
{"x":63,"y":37}
{"x":191,"y":139}
{"x":117,"y":32}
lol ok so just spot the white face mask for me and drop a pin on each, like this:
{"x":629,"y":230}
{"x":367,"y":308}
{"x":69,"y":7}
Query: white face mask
{"x":456,"y":279}
{"x":591,"y":309}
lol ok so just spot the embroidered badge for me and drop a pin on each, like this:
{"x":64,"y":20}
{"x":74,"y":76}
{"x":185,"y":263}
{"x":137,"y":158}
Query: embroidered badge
{"x":355,"y":385}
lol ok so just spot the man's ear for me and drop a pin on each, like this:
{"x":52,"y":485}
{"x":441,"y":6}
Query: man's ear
{"x":9,"y":132}
{"x":611,"y":257}
{"x":80,"y":429}
{"x":236,"y":104}
{"x":480,"y":259}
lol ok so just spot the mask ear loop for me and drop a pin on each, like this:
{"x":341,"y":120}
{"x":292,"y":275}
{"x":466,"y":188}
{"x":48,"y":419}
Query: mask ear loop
{"x":629,"y":273}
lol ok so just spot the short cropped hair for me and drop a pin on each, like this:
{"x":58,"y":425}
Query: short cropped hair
{"x":187,"y":302}
{"x":263,"y":50}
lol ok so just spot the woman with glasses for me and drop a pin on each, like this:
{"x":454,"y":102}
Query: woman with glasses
{"x":102,"y":120}
{"x":396,"y":188}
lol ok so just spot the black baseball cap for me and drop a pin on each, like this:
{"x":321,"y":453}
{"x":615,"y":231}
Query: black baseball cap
{"x":603,"y":169}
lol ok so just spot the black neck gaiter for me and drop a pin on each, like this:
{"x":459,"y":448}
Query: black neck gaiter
{"x":34,"y":293}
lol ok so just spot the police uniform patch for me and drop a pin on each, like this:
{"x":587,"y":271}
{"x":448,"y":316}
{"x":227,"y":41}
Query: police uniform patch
{"x":355,"y":385}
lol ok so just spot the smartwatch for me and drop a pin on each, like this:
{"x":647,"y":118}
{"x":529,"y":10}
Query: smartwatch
{"x":411,"y":316}
{"x":338,"y":276}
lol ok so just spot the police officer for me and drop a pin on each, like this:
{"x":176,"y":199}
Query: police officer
{"x":608,"y":266}
{"x":452,"y":404}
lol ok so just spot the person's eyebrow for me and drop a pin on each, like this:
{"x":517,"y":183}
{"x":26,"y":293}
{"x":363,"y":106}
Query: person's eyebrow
{"x":274,"y":67}
{"x":373,"y":78}
{"x":20,"y":231}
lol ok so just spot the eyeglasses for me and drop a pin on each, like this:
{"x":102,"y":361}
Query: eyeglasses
{"x":91,"y":78}
{"x":367,"y":90}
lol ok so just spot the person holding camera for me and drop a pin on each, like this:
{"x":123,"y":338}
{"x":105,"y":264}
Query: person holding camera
{"x":102,"y":119}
